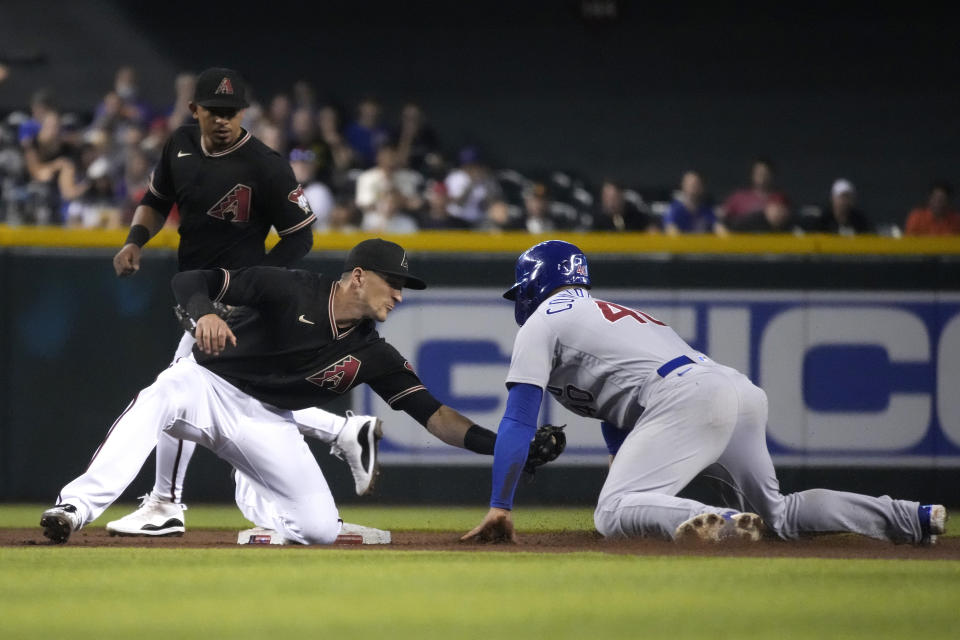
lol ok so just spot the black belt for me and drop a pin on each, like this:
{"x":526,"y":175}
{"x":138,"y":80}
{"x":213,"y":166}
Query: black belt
{"x":667,"y":367}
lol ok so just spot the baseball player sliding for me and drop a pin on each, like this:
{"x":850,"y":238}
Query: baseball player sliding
{"x":229,"y":189}
{"x":667,"y":413}
{"x":309,"y":339}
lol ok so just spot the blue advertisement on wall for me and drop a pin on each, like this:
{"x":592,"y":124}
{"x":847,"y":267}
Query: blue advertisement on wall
{"x":869,"y":379}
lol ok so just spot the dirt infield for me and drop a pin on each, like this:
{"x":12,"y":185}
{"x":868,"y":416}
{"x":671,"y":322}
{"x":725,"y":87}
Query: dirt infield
{"x":836,"y":546}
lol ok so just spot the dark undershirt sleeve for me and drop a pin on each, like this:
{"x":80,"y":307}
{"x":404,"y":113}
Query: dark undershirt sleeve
{"x":420,"y":406}
{"x":290,"y":249}
{"x":160,"y":205}
{"x":195,"y":290}
{"x":160,"y":190}
{"x":258,"y":287}
{"x":400,"y":387}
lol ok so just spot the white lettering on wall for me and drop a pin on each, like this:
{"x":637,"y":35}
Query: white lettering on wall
{"x":783,"y":348}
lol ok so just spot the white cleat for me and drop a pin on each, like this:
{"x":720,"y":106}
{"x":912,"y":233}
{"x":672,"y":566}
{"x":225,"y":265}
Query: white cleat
{"x":715,"y":527}
{"x":357,"y":445}
{"x":59,"y":522}
{"x":933,"y":522}
{"x":349,"y":534}
{"x":153,"y":518}
{"x":938,"y":519}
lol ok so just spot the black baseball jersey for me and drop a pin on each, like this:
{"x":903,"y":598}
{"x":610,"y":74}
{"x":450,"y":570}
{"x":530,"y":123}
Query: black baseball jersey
{"x":289,"y":352}
{"x":227,"y":200}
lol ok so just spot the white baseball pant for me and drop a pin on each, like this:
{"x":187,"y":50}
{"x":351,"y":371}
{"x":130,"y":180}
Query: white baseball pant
{"x":174,"y":454}
{"x":712,"y":416}
{"x":262,"y":443}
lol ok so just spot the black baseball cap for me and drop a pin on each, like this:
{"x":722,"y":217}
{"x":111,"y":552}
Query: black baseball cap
{"x":384,"y":257}
{"x":220,"y":87}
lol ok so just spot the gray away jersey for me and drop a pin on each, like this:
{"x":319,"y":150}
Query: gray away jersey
{"x":593,"y":356}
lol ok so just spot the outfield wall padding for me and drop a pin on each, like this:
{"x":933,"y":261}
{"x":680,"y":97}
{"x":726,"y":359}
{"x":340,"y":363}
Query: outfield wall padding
{"x":76,"y":344}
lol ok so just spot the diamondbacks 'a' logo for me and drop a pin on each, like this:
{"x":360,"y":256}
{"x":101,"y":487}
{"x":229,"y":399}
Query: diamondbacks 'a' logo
{"x":339,"y":376}
{"x":225,"y":87}
{"x":234,"y":206}
{"x":296,"y":196}
{"x":403,"y":263}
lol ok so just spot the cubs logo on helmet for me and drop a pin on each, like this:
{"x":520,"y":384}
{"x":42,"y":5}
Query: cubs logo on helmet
{"x":542,"y":269}
{"x":576,"y":266}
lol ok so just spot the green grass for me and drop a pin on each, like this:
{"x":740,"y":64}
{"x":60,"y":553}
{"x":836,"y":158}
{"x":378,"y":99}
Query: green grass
{"x":286,"y":593}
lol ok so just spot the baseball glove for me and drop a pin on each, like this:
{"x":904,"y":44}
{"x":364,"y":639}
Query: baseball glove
{"x":548,"y":442}
{"x":190,"y":325}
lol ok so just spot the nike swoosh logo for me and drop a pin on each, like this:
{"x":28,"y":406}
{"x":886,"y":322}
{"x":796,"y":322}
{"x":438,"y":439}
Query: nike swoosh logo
{"x":680,"y":373}
{"x":304,"y":320}
{"x":181,"y":154}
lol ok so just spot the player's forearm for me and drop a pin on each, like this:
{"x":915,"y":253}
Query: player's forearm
{"x":290,"y":249}
{"x":517,"y":428}
{"x":509,"y":456}
{"x":448,"y":426}
{"x":150,"y":219}
{"x":457,"y":430}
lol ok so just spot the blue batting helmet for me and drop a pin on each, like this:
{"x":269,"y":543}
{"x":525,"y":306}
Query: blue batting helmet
{"x":540,"y":270}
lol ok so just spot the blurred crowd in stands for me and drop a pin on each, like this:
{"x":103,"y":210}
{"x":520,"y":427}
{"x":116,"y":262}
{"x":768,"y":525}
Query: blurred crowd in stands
{"x":363,"y":169}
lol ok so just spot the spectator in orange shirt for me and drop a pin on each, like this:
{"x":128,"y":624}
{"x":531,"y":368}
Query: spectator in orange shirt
{"x":938,"y":217}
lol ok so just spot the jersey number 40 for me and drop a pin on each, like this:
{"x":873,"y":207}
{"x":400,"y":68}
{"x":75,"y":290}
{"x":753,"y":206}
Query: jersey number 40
{"x":613,"y":312}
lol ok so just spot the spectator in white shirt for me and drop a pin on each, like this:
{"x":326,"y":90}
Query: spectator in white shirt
{"x":471,"y":188}
{"x":389,"y":216}
{"x":378,"y":182}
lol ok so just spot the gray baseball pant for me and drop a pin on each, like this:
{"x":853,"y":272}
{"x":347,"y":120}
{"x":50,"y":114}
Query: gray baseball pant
{"x":712,"y":416}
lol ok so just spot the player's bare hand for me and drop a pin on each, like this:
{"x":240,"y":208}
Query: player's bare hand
{"x":213,"y":335}
{"x":497,"y":526}
{"x":127,"y":260}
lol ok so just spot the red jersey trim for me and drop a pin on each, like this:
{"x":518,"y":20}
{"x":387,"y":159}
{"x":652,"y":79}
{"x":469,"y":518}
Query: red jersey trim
{"x":404,"y":394}
{"x":333,"y":319}
{"x":236,"y":145}
{"x":299,"y":226}
{"x":347,"y":332}
{"x":154,"y":191}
